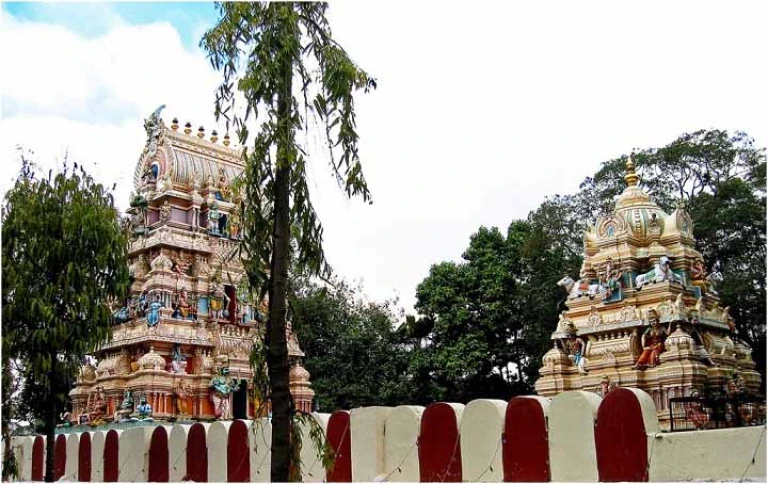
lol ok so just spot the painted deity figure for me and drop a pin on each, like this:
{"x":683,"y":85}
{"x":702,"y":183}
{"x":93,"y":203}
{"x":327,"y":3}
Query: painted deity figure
{"x":243,"y":303}
{"x":652,"y":342}
{"x":576,"y":350}
{"x":183,"y":305}
{"x":612,"y":278}
{"x":222,"y":192}
{"x":699,"y":276}
{"x":181,"y":392}
{"x":579,"y":288}
{"x":213,"y":219}
{"x":234,"y":225}
{"x":660,"y":273}
{"x":222,"y":386}
{"x":177,"y":358}
{"x":165,"y":212}
{"x":219,"y":301}
{"x":153,"y":127}
{"x":97,"y":407}
{"x":153,"y":314}
{"x":126,"y":407}
{"x":144,"y":409}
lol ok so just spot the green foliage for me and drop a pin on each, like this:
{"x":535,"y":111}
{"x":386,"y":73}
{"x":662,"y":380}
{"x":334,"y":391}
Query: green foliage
{"x":264,"y":37}
{"x":264,"y":50}
{"x":492,"y":312}
{"x":352,"y":350}
{"x":64,"y":260}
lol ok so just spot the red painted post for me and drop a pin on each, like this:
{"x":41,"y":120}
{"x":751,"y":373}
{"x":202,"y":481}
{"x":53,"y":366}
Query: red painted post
{"x":197,"y":454}
{"x":238,"y":455}
{"x":38,"y":458}
{"x":60,"y":457}
{"x":439,"y":445}
{"x":339,"y":438}
{"x":525,"y":447}
{"x":621,"y":441}
{"x":84,"y":458}
{"x":111,"y":454}
{"x":158,"y":456}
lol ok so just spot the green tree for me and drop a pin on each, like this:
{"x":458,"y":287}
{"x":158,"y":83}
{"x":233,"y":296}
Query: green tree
{"x":281,"y":57}
{"x":493,"y":313}
{"x":352,"y":350}
{"x":63,"y":260}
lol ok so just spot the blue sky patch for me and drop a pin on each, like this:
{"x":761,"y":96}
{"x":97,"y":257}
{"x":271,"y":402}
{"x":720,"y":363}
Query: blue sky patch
{"x":92,"y":20}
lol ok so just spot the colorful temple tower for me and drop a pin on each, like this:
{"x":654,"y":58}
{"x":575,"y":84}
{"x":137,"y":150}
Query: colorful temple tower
{"x":182,"y":340}
{"x":644,"y":312}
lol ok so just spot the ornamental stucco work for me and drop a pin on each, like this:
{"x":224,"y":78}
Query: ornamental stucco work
{"x":181,"y":341}
{"x":644,"y":312}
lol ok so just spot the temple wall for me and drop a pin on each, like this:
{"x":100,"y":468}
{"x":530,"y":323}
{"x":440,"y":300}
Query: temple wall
{"x":588,"y":438}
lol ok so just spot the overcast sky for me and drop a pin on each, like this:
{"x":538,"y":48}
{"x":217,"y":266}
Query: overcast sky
{"x":483,"y":109}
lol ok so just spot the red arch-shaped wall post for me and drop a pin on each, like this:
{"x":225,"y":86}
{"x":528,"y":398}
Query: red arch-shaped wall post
{"x":60,"y":457}
{"x":439,"y":445}
{"x":38,"y":458}
{"x":238,"y":457}
{"x":158,"y":456}
{"x":339,"y":438}
{"x":525,"y":447}
{"x":197,"y":454}
{"x":111,"y":455}
{"x":620,"y":438}
{"x":84,"y":458}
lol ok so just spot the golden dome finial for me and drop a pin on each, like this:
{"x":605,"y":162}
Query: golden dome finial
{"x":631,"y":177}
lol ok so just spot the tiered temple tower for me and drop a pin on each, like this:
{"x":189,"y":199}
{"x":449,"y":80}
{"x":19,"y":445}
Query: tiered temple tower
{"x":644,"y":313}
{"x":183,"y":338}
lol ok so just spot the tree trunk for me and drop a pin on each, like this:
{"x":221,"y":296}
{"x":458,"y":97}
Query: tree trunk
{"x":50,"y":421}
{"x":7,"y":415}
{"x":277,"y":348}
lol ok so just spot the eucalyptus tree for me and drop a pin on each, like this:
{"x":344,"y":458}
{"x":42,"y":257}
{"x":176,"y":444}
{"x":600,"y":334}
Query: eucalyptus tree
{"x":282,"y":59}
{"x":63,"y":261}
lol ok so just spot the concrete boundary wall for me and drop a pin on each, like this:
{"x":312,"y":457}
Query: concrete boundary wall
{"x":586,"y":438}
{"x":724,"y":454}
{"x":401,"y":439}
{"x":97,"y":456}
{"x":367,"y":433}
{"x":177,"y":453}
{"x":312,"y":469}
{"x":482,"y":426}
{"x":572,"y":454}
{"x":260,"y":435}
{"x":73,"y":452}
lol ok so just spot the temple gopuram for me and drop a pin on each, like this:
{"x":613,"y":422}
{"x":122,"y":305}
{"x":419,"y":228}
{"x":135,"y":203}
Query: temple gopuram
{"x":644,"y":312}
{"x":181,"y":342}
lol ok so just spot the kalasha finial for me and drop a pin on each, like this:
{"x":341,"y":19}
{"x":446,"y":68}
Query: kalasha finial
{"x":631,"y":177}
{"x":188,"y":128}
{"x":175,"y":124}
{"x":226,"y":139}
{"x":201,"y":132}
{"x":214,"y":136}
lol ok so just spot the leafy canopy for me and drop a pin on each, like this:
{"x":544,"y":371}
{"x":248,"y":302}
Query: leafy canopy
{"x":249,"y":45}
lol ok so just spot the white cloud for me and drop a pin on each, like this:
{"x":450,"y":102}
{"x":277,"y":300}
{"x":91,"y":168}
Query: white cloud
{"x":481,"y":112}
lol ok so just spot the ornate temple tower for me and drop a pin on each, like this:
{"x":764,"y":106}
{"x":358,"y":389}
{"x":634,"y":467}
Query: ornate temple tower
{"x":183,"y":338}
{"x":644,"y":313}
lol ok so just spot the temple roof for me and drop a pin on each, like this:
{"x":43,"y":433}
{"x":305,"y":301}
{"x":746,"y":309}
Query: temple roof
{"x":186,"y":155}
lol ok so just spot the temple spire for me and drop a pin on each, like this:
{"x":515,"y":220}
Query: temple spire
{"x":631,"y":177}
